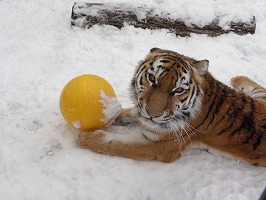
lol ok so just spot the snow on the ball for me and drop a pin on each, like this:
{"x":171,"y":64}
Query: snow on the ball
{"x":76,"y":124}
{"x":112,"y":108}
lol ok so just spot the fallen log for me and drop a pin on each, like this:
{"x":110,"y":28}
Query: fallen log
{"x":86,"y":15}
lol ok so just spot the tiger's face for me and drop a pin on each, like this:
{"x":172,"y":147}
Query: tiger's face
{"x":166,"y":90}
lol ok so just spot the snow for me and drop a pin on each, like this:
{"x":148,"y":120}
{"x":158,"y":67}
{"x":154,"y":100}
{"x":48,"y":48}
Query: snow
{"x":76,"y":124}
{"x":111,"y":108}
{"x":40,"y":52}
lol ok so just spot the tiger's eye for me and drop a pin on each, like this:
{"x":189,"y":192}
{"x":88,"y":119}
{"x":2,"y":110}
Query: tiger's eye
{"x":151,"y":78}
{"x":178,"y":91}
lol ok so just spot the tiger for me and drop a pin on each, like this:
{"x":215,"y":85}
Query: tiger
{"x":178,"y":104}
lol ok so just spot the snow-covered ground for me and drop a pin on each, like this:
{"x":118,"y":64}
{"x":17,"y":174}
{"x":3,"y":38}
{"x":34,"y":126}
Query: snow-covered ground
{"x":40,"y":52}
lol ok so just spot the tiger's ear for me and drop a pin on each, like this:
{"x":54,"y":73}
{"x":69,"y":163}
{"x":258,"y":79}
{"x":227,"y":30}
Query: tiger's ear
{"x":202,"y":66}
{"x":154,"y":49}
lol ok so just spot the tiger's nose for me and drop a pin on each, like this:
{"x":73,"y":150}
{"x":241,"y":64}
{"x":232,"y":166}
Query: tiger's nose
{"x":157,"y":103}
{"x":154,"y":113}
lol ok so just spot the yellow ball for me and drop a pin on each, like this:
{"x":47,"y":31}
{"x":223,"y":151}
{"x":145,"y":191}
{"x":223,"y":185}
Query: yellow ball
{"x":80,"y":101}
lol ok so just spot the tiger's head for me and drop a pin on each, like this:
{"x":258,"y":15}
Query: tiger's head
{"x":166,"y":89}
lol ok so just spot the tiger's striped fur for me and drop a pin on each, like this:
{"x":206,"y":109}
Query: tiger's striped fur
{"x":178,"y":104}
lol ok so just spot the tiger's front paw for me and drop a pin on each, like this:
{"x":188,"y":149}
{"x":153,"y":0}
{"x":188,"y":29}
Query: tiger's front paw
{"x":127,"y":116}
{"x":120,"y":121}
{"x":91,"y":140}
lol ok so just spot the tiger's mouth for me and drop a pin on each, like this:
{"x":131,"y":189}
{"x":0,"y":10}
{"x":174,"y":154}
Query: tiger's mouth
{"x":164,"y":123}
{"x":152,"y":125}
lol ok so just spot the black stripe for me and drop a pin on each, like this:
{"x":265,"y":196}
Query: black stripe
{"x":185,"y":108}
{"x":218,"y":105}
{"x":222,"y":117}
{"x":146,"y":62}
{"x":258,"y":141}
{"x":192,"y":95}
{"x":159,"y":56}
{"x":212,"y":83}
{"x":140,"y":70}
{"x":182,"y":100}
{"x":184,"y":64}
{"x":163,"y":76}
{"x":141,"y":80}
{"x":177,"y":76}
{"x":165,"y":61}
{"x":238,"y":110}
{"x":187,"y":114}
{"x":133,"y":81}
{"x":198,"y":90}
{"x":234,"y":132}
{"x":170,"y":57}
{"x":209,"y":111}
{"x":247,"y":121}
{"x":230,"y":126}
{"x":197,"y":94}
{"x":184,"y":70}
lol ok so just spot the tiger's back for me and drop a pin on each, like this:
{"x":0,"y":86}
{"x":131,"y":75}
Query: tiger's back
{"x":233,"y":122}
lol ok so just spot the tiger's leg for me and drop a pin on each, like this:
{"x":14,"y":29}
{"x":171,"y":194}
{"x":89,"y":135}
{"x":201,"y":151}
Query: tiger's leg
{"x":249,"y":87}
{"x":130,"y":145}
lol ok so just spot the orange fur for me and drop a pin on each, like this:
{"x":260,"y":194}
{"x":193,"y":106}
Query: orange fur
{"x":179,"y":104}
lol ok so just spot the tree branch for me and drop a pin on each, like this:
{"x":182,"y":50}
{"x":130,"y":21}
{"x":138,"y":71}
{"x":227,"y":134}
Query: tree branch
{"x":86,"y":15}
